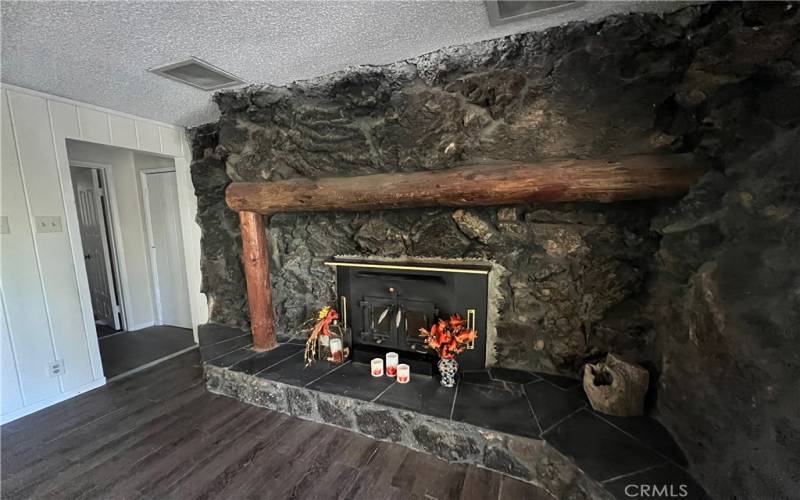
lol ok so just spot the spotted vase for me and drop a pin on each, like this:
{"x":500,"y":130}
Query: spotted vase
{"x":447,"y":370}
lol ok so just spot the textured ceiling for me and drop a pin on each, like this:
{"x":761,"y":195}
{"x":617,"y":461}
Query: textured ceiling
{"x":99,"y":52}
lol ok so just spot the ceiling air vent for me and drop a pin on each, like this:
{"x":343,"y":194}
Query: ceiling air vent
{"x":198,"y":74}
{"x":508,"y":11}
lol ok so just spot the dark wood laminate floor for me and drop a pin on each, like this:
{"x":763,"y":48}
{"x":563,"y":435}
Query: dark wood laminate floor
{"x":126,"y":351}
{"x":159,"y":434}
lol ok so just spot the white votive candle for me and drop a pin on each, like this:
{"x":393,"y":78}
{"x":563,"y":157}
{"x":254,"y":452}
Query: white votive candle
{"x":392,"y":359}
{"x":377,"y":367}
{"x":403,"y":374}
{"x":336,"y":351}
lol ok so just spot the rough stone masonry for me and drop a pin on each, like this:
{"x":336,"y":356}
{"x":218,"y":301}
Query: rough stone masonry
{"x":705,"y":290}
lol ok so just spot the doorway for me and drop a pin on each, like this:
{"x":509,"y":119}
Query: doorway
{"x":162,"y":220}
{"x":90,"y":185}
{"x":129,"y":218}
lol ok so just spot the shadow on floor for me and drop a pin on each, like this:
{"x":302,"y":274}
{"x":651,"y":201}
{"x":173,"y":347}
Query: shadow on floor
{"x":128,"y":351}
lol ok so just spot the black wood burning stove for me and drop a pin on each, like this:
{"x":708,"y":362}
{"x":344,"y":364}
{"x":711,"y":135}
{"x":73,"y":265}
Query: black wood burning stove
{"x":386,"y":304}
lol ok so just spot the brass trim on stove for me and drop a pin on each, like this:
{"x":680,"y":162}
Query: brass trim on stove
{"x":471,"y":326}
{"x":408,"y":268}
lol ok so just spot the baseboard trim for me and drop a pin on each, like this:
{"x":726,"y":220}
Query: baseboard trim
{"x":146,"y":324}
{"x":41,"y":405}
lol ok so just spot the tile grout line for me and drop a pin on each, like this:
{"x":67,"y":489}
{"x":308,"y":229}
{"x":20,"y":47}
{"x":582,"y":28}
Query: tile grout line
{"x":252,"y":354}
{"x":383,"y":392}
{"x":327,"y":373}
{"x":530,"y":405}
{"x":276,"y":363}
{"x":537,"y":377}
{"x":229,"y":352}
{"x":668,"y":459}
{"x":561,"y":420}
{"x":226,"y":340}
{"x":577,"y":384}
{"x":628,"y":474}
{"x":226,"y":352}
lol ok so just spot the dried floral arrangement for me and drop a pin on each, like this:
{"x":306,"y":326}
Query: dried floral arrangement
{"x":325,"y":324}
{"x":448,"y":337}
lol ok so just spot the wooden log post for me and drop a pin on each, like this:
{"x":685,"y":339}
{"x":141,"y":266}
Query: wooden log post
{"x":256,"y":271}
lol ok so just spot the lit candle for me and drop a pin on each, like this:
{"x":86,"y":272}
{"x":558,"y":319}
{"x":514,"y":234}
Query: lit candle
{"x":377,"y":367}
{"x":403,"y":374}
{"x":336,"y":350}
{"x":391,"y":363}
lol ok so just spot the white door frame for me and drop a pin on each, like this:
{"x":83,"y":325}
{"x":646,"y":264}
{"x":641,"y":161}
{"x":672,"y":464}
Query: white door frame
{"x":150,"y":240}
{"x":115,"y":241}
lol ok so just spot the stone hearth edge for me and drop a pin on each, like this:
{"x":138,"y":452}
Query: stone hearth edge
{"x":527,"y":459}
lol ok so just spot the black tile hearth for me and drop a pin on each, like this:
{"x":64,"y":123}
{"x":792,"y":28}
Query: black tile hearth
{"x":476,"y":377}
{"x":564,"y":383}
{"x":496,"y":407}
{"x":296,"y":339}
{"x":649,"y":432}
{"x":516,"y":376}
{"x":422,"y":394}
{"x":209,"y":352}
{"x":599,"y":448}
{"x":233,"y":357}
{"x":294,"y":371}
{"x":666,"y":481}
{"x":263,"y":360}
{"x":353,"y":380}
{"x":551,"y":404}
{"x":211,"y":333}
{"x":424,"y":415}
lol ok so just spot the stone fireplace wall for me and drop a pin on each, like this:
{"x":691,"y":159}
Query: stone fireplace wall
{"x":705,"y":290}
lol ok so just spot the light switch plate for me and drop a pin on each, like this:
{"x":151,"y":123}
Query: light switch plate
{"x":4,"y":227}
{"x":48,"y":224}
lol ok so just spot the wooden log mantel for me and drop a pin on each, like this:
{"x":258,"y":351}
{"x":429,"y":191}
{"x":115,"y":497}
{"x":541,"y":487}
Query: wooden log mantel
{"x":604,"y":181}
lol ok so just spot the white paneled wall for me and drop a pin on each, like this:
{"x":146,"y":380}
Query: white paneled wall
{"x":21,"y":285}
{"x":123,"y":131}
{"x":46,"y":310}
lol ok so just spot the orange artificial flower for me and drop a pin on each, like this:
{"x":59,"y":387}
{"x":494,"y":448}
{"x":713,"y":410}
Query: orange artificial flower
{"x":449,"y":337}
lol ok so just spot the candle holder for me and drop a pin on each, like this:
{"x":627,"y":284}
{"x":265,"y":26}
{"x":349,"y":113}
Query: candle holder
{"x":334,"y":348}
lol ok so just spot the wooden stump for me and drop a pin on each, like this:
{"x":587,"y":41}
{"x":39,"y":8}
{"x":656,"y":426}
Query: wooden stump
{"x":616,"y":387}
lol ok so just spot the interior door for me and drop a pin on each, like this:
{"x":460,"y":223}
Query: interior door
{"x":166,"y":249}
{"x":96,"y":253}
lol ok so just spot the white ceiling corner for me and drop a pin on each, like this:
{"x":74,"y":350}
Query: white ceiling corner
{"x":100,"y":52}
